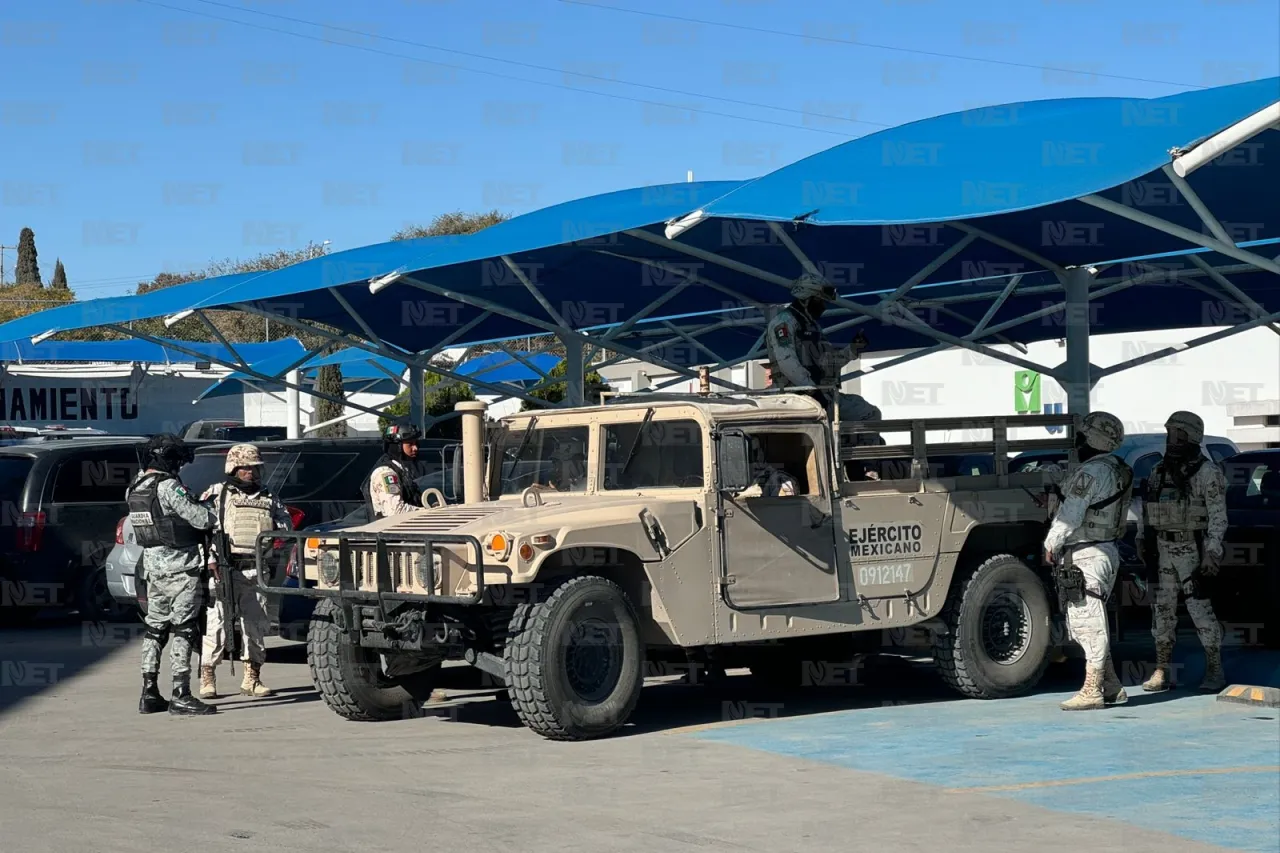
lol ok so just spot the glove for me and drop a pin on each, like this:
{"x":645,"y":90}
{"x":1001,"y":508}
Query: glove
{"x":1209,"y":564}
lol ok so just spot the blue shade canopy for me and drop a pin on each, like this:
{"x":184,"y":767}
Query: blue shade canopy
{"x":361,"y":371}
{"x":501,"y":367}
{"x":131,"y":350}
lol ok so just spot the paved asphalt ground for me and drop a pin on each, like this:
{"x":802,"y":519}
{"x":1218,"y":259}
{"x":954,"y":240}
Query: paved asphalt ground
{"x":897,"y":764}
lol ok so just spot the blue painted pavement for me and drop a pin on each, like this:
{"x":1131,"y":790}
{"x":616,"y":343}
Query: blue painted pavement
{"x":1159,"y":745}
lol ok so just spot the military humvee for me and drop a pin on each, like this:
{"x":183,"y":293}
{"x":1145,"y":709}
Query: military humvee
{"x":652,"y":528}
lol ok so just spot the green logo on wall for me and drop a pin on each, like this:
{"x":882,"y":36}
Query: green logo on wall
{"x":1026,"y":392}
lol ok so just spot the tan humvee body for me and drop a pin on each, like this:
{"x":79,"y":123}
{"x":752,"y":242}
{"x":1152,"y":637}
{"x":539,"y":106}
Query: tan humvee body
{"x":710,"y":569}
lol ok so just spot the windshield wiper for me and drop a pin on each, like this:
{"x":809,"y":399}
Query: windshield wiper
{"x":635,"y":443}
{"x":524,"y":444}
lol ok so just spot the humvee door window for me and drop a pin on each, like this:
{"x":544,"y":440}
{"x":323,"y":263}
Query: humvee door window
{"x":555,"y":458}
{"x":783,"y":464}
{"x":653,"y":455}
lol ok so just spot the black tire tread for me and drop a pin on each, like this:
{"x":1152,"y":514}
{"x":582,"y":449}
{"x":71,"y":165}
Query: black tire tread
{"x":324,"y":639}
{"x":948,"y":654}
{"x":525,"y":674}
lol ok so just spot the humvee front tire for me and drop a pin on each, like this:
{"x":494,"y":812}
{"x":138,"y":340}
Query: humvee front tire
{"x":997,"y":643}
{"x":348,"y":677}
{"x":575,"y":660}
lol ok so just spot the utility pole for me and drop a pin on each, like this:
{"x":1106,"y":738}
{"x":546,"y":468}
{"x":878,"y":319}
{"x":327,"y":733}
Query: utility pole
{"x":2,"y":248}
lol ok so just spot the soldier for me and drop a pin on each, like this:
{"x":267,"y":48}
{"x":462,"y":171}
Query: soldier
{"x":391,"y":488}
{"x":1082,"y":546}
{"x":768,"y":481}
{"x":800,"y":354}
{"x":1185,"y":507}
{"x":244,"y":509}
{"x":168,"y":523}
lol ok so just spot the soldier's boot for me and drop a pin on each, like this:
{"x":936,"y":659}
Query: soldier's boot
{"x":208,"y":683}
{"x":1090,"y":696}
{"x":252,"y":684}
{"x":183,"y":703}
{"x":1112,"y":687}
{"x":1162,"y":678}
{"x":151,"y":702}
{"x":1214,"y":680}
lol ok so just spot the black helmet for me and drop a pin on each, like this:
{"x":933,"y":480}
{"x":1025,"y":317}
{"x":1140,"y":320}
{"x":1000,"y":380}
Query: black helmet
{"x":401,"y":434}
{"x":167,"y":452}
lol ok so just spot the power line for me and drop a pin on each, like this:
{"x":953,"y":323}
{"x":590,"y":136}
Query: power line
{"x":873,"y":45}
{"x":613,"y":95}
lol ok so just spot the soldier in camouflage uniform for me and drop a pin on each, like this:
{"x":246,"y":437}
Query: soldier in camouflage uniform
{"x":1082,"y":546}
{"x":391,"y":488}
{"x":169,"y":525}
{"x":800,"y":354}
{"x":1185,"y":510}
{"x":245,"y":508}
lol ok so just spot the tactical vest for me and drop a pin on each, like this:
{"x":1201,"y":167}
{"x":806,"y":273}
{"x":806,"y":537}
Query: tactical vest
{"x":1166,"y":507}
{"x":243,"y":517}
{"x":1104,"y":520}
{"x":409,"y":491}
{"x":150,"y":524}
{"x":810,"y":349}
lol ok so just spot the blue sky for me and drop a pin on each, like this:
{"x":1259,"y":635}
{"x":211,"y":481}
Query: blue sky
{"x":137,"y":138}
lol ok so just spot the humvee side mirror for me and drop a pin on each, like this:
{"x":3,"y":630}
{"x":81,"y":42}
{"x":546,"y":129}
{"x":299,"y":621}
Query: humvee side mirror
{"x":733,"y":461}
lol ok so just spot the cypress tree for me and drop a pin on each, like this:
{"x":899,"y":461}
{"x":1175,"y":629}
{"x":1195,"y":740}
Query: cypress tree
{"x":59,"y":276}
{"x":28,"y":270}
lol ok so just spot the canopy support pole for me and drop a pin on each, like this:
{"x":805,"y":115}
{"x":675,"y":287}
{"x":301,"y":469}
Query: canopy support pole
{"x":1191,"y":344}
{"x":1074,"y":373}
{"x":912,"y":322}
{"x":417,"y":398}
{"x":574,"y":380}
{"x":405,"y":358}
{"x":293,"y":406}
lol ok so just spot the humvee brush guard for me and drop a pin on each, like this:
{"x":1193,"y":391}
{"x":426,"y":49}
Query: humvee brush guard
{"x":597,"y":540}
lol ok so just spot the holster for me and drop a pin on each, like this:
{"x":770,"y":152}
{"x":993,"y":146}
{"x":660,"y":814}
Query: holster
{"x":1069,"y":580}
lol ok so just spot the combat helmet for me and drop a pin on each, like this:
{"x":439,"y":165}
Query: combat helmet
{"x":166,"y":452}
{"x":242,"y":456}
{"x":1188,"y":422}
{"x":1102,"y":431}
{"x":809,"y":285}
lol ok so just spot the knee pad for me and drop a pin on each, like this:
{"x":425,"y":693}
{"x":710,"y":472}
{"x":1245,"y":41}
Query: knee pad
{"x":160,"y":635}
{"x":189,"y":631}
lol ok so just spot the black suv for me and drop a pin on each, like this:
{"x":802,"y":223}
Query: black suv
{"x":61,"y":501}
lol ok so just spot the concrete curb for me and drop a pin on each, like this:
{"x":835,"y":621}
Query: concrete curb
{"x":1248,"y":694}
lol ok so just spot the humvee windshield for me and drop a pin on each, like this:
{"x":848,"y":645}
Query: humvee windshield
{"x":553,"y":457}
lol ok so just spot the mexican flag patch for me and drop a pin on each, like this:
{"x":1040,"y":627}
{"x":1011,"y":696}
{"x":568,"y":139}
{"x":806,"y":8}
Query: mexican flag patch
{"x":782,"y":332}
{"x":389,"y":479}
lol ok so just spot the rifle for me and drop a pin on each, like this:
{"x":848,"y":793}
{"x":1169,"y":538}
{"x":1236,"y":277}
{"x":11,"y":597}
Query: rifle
{"x":226,"y":568}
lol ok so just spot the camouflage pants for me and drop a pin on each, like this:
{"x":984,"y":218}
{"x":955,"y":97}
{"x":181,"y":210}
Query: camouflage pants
{"x":1177,"y":561}
{"x":1087,"y":620}
{"x":251,"y":614}
{"x":173,"y":608}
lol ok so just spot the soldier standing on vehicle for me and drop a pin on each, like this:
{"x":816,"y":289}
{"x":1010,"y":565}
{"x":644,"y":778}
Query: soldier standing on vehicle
{"x":1081,"y":545}
{"x":801,"y":355}
{"x":244,"y":509}
{"x":1185,"y":506}
{"x":169,"y":525}
{"x":391,"y":488}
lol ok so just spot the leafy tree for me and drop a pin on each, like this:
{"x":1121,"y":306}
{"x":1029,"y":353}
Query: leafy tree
{"x":593,"y":386}
{"x":329,"y":381}
{"x":440,"y":396}
{"x":28,"y":271}
{"x":19,"y":300}
{"x":59,"y":276}
{"x":452,"y":223}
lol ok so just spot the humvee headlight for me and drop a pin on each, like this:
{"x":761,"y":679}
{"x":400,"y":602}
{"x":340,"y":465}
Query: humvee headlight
{"x":542,"y":540}
{"x":499,"y":545}
{"x":329,"y":567}
{"x":526,"y":551}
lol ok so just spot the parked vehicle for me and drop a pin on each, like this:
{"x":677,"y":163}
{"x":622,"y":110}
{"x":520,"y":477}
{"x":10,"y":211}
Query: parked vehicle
{"x":1246,"y":593}
{"x":320,"y":481}
{"x":61,"y":502}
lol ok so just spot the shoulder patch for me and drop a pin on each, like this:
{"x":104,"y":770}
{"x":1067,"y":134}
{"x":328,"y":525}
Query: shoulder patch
{"x":782,"y":332}
{"x":1081,"y":484}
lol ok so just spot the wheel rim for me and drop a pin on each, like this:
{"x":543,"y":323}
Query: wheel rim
{"x":1006,"y":628}
{"x":592,"y":659}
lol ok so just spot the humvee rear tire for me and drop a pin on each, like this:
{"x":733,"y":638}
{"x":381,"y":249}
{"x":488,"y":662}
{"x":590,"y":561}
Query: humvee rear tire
{"x":348,"y":677}
{"x":575,"y":660}
{"x":998,"y":640}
